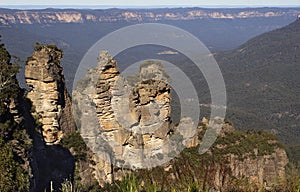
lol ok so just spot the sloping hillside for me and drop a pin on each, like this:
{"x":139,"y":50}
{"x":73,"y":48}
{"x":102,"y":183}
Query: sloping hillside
{"x":263,"y":84}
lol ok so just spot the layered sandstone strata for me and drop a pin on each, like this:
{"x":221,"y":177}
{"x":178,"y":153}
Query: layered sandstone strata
{"x":51,"y":103}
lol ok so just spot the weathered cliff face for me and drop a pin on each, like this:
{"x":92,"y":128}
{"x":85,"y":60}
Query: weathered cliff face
{"x":48,"y":94}
{"x":261,"y":165}
{"x":135,"y":113}
{"x":9,"y":17}
{"x":134,"y":116}
{"x":133,"y":108}
{"x":265,"y":171}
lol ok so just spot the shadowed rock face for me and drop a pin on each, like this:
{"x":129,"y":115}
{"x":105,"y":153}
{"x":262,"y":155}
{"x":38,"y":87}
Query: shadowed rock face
{"x":48,"y":94}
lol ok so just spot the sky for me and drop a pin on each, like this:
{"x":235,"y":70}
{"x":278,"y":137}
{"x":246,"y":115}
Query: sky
{"x":150,"y":3}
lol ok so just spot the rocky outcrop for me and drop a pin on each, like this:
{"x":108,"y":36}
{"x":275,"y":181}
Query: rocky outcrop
{"x":134,"y":107}
{"x":132,"y":116}
{"x":133,"y":112}
{"x":48,"y":94}
{"x":48,"y":108}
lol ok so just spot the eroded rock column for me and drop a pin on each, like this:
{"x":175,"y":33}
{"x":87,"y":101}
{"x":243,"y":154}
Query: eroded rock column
{"x":48,"y":94}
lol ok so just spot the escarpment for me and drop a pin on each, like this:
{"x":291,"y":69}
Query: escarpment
{"x":48,"y":94}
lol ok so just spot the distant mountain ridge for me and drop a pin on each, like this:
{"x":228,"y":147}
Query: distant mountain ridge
{"x":49,"y":16}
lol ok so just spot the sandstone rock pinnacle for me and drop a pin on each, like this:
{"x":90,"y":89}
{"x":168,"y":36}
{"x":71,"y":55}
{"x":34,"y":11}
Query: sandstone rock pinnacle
{"x":48,"y":94}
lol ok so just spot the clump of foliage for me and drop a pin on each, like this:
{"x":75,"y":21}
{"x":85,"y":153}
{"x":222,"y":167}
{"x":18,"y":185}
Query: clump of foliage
{"x":129,"y":183}
{"x":293,"y":178}
{"x":74,"y":141}
{"x":243,"y":144}
{"x":38,"y":46}
{"x":13,"y":177}
{"x":14,"y":140}
{"x":8,"y":84}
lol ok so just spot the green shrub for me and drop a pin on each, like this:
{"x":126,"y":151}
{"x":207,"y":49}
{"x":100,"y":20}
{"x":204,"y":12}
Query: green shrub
{"x":76,"y":142}
{"x":13,"y":177}
{"x":129,"y":183}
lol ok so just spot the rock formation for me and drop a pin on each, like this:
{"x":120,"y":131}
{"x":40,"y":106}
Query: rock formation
{"x":48,"y":94}
{"x":133,"y":115}
{"x":133,"y":112}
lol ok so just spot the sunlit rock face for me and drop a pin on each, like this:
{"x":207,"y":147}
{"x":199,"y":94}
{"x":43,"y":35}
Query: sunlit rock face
{"x":51,"y":104}
{"x":130,"y":115}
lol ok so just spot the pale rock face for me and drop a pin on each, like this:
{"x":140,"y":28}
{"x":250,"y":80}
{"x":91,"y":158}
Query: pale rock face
{"x":49,"y":97}
{"x":133,"y":116}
